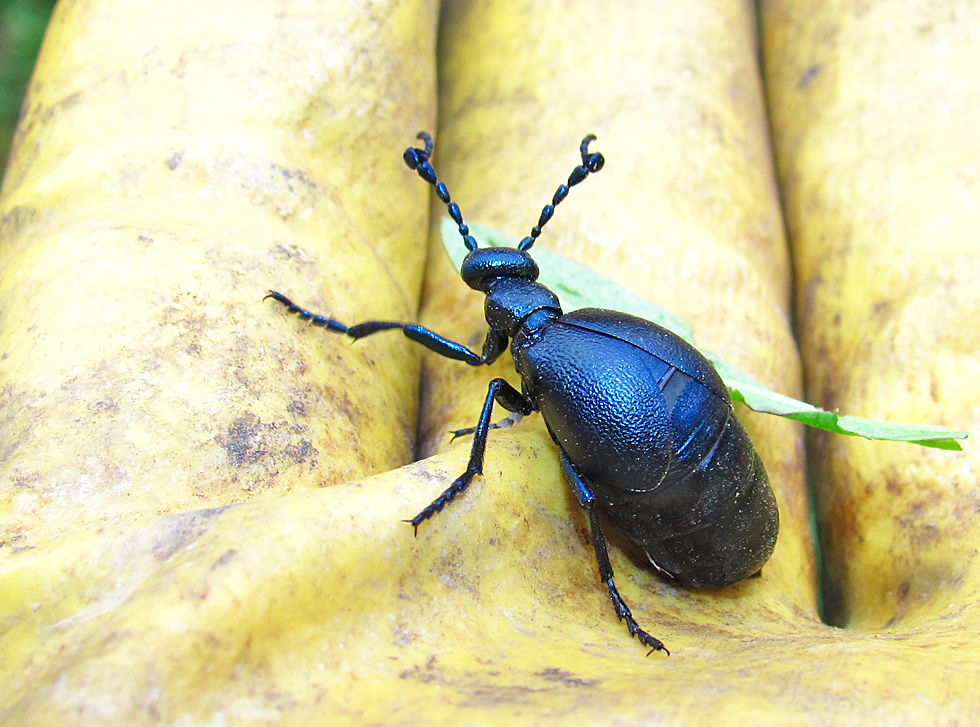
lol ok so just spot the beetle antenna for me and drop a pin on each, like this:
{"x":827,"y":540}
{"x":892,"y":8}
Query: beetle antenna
{"x":418,"y":159}
{"x":590,"y":163}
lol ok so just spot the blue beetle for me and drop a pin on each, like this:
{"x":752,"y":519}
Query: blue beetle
{"x":644,"y":424}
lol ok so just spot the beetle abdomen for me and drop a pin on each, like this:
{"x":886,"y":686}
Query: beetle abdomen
{"x":657,"y":441}
{"x":713,"y":527}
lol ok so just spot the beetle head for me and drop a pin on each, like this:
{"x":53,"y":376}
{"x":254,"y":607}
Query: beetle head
{"x":488,"y":263}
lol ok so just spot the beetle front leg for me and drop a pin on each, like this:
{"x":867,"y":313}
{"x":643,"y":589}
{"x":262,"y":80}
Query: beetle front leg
{"x":587,"y":500}
{"x":493,"y":346}
{"x":509,"y":398}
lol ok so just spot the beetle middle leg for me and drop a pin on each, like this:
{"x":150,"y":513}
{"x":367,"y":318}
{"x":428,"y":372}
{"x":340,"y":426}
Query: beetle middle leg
{"x":587,"y":500}
{"x":509,"y":398}
{"x":508,"y":421}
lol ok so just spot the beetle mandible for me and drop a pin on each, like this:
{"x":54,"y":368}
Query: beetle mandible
{"x":644,"y":425}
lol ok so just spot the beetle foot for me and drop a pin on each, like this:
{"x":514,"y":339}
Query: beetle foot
{"x":654,"y":644}
{"x":624,"y":614}
{"x":644,"y":638}
{"x":452,"y":492}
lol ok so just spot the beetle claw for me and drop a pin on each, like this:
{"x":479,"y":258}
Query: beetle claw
{"x":654,"y":643}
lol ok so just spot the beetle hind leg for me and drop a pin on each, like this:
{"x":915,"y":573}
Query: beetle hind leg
{"x":587,"y":500}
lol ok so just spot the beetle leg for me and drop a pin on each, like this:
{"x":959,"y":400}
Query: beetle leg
{"x":509,"y":398}
{"x":493,"y":346}
{"x":588,"y":502}
{"x":508,"y":421}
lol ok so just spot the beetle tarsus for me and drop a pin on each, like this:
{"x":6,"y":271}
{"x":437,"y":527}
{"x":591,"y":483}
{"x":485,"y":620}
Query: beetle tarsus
{"x":624,"y":614}
{"x":452,"y":492}
{"x":313,"y":319}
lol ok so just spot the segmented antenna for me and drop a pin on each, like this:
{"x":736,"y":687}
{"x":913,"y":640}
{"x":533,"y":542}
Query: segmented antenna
{"x":590,"y":163}
{"x":418,"y":159}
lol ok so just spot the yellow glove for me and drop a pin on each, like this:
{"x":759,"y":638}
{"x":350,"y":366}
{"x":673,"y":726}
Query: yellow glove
{"x":874,"y":119}
{"x":130,"y":596}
